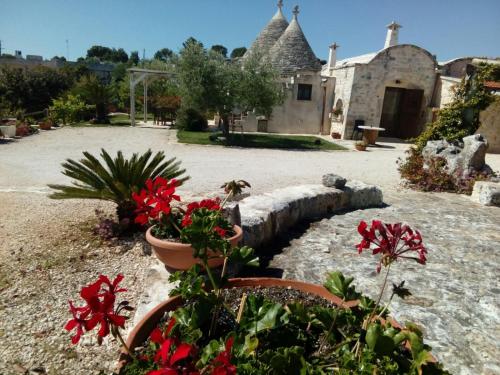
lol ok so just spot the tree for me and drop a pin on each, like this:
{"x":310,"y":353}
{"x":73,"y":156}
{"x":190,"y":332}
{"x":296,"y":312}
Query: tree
{"x":192,"y":41}
{"x":107,"y":54}
{"x":33,"y":90}
{"x":90,"y":89}
{"x":220,"y":49}
{"x":134,"y":58}
{"x":208,"y":82}
{"x":259,"y":88}
{"x":238,"y":52}
{"x":164,"y":54}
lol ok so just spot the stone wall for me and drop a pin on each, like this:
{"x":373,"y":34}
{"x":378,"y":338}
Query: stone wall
{"x":344,"y":78}
{"x":299,"y":116}
{"x":490,"y":126}
{"x":266,"y":216}
{"x":404,"y":66}
{"x":444,"y":90}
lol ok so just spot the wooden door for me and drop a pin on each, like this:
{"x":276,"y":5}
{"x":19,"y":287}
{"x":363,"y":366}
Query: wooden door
{"x":390,"y":111}
{"x":410,"y":111}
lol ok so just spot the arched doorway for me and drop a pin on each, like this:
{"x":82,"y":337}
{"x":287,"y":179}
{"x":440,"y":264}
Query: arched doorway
{"x":401,"y":112}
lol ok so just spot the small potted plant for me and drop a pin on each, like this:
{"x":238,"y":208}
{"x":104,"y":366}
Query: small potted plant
{"x":360,"y":145}
{"x":267,"y":326}
{"x":45,"y":125}
{"x":336,"y":135}
{"x":179,"y":235}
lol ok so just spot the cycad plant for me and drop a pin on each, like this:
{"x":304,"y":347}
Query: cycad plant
{"x":116,"y":179}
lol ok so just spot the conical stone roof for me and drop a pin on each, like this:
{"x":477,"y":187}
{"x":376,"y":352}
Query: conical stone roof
{"x":292,"y":51}
{"x":269,"y":35}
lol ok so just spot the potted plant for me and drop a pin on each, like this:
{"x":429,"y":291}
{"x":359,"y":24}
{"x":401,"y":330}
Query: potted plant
{"x":8,"y":129}
{"x":45,"y":125}
{"x":336,"y":135}
{"x":360,"y":145}
{"x":267,"y":326}
{"x":180,"y":235}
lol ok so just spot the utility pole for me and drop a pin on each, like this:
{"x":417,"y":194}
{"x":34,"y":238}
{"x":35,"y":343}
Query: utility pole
{"x":67,"y":50}
{"x":0,"y":48}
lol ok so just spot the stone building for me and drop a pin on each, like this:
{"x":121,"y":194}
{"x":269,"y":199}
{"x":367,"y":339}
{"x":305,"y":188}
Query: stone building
{"x":308,"y":95}
{"x":393,"y":88}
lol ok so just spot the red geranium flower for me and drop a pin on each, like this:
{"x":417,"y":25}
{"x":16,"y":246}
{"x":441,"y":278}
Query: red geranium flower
{"x":168,"y":359}
{"x":222,"y":363}
{"x":99,"y":308}
{"x":221,"y":232}
{"x":155,"y":199}
{"x":392,"y":241}
{"x":209,"y":204}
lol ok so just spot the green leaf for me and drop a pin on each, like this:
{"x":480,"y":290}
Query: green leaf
{"x":339,"y":285}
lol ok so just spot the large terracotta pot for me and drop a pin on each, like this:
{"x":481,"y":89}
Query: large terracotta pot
{"x":179,"y":256}
{"x":143,"y":329}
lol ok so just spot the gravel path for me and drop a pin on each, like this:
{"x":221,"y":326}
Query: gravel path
{"x":31,"y":163}
{"x":47,"y":252}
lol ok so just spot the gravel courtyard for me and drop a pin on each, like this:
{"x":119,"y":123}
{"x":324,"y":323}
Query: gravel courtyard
{"x":47,"y":251}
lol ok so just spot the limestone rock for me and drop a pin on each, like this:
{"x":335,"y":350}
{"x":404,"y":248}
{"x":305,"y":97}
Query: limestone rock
{"x":362,"y":195}
{"x":334,"y":180}
{"x":486,"y":193}
{"x":461,"y":159}
{"x":266,"y":216}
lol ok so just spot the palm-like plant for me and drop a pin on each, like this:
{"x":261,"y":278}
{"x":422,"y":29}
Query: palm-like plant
{"x":117,"y":179}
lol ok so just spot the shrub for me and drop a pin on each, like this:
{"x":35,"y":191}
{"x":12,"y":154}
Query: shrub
{"x":434,"y":176}
{"x":192,"y":120}
{"x":68,"y":109}
{"x":117,"y":179}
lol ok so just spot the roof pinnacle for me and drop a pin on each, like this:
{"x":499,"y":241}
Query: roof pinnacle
{"x":295,"y":11}
{"x":280,"y":4}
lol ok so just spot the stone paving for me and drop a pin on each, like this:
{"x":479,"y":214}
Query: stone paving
{"x":455,"y":296}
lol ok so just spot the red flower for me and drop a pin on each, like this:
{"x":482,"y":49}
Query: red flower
{"x":221,"y":232}
{"x":392,"y":241}
{"x":222,"y":363}
{"x":167,"y":359}
{"x":99,"y":308}
{"x":209,"y":204}
{"x":155,"y":199}
{"x":79,"y":322}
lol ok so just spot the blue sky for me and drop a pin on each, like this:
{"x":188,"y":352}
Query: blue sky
{"x":447,"y":28}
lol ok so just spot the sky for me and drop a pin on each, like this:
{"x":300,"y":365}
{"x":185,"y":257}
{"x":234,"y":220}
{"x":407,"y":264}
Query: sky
{"x":446,"y":28}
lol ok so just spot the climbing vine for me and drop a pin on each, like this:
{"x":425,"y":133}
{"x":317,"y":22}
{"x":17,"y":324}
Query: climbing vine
{"x":460,"y":118}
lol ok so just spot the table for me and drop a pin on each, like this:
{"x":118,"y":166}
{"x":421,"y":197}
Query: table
{"x":370,"y":133}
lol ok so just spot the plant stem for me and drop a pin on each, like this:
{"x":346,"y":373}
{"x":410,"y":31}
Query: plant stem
{"x":379,"y":296}
{"x":122,"y":342}
{"x":386,"y":306}
{"x":323,"y":342}
{"x":210,"y":276}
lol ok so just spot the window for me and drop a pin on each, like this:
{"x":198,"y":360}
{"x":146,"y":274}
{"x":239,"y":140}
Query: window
{"x":304,"y":92}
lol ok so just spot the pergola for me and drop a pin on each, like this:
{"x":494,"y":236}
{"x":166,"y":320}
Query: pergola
{"x":138,"y":75}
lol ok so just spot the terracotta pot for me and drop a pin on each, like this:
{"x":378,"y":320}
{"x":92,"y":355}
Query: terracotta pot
{"x":143,"y":329}
{"x":360,"y":147}
{"x":45,"y":125}
{"x":179,"y":256}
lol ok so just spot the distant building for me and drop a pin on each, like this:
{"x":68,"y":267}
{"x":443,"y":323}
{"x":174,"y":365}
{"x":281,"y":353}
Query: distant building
{"x":307,"y":92}
{"x":397,"y":88}
{"x":102,"y":70}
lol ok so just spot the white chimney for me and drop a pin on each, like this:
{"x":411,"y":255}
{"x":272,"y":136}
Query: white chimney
{"x":392,"y":34}
{"x":332,"y":57}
